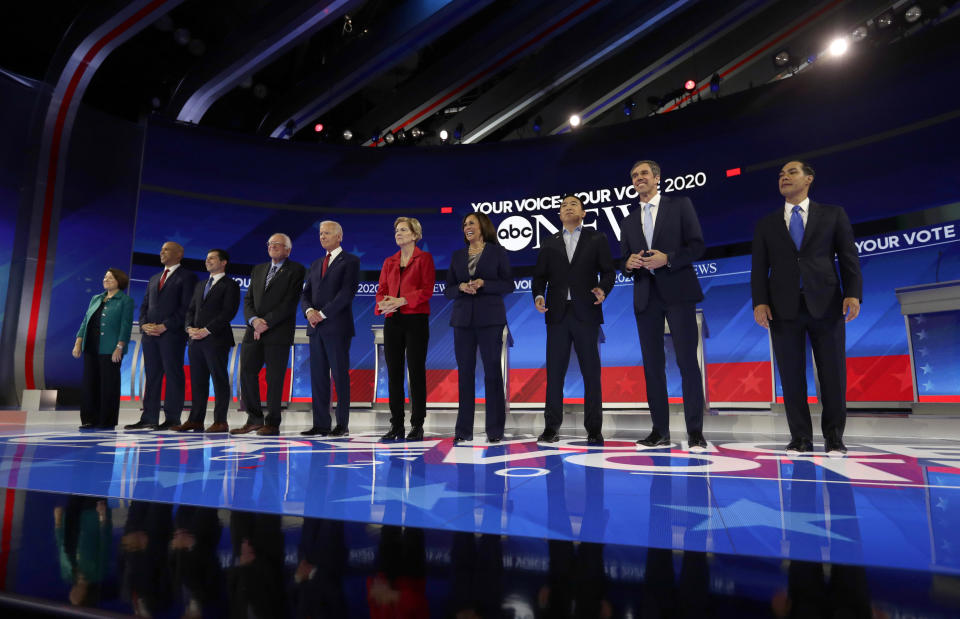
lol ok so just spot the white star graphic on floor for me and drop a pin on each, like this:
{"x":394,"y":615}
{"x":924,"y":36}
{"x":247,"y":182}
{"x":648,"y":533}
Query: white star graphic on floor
{"x":425,"y":497}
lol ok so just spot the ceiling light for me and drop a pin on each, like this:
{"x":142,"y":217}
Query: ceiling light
{"x":347,"y":135}
{"x":574,"y":121}
{"x":389,"y":139}
{"x":859,"y":34}
{"x":782,"y":58}
{"x":416,"y":133}
{"x":690,"y":85}
{"x":444,"y":134}
{"x":885,"y":20}
{"x":318,"y":127}
{"x":913,"y":14}
{"x":838,"y":47}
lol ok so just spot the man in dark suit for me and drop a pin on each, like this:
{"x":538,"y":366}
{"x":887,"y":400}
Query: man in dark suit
{"x":659,"y":243}
{"x":575,"y":272}
{"x":162,"y":316}
{"x":327,"y":303}
{"x":270,"y":309}
{"x":213,"y":306}
{"x":797,"y":293}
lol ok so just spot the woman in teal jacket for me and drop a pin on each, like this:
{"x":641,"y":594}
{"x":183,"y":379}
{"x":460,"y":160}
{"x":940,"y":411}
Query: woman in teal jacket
{"x":102,"y":340}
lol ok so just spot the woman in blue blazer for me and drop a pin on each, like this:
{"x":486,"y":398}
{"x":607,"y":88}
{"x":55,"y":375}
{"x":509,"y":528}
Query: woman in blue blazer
{"x":102,"y":340}
{"x":478,"y":277}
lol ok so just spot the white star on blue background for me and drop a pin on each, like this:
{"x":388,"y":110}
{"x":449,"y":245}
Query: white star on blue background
{"x":746,"y":513}
{"x":926,"y":368}
{"x":425,"y":497}
{"x":921,"y":335}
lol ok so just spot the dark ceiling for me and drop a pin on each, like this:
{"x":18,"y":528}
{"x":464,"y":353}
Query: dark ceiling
{"x":483,"y":70}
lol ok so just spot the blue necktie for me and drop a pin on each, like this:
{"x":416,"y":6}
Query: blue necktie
{"x":206,"y":289}
{"x":273,"y":271}
{"x":648,"y":224}
{"x":796,"y":226}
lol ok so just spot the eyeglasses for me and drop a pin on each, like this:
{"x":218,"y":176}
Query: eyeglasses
{"x":273,"y":244}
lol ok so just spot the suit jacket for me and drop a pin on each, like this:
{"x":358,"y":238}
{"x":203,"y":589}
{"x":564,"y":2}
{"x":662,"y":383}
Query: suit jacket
{"x":778,"y":267}
{"x":333,"y":294}
{"x":591,"y":266}
{"x":277,"y":303}
{"x":216,"y":311}
{"x":485,"y":308}
{"x":168,"y":306}
{"x":416,"y":286}
{"x":677,"y":234}
{"x":116,"y":321}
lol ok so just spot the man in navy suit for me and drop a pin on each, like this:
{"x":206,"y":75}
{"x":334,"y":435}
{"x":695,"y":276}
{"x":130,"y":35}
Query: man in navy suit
{"x":327,"y":303}
{"x":214,"y":304}
{"x":162,"y":316}
{"x":575,"y":272}
{"x":797,"y":293}
{"x":270,"y":309}
{"x":659,"y":243}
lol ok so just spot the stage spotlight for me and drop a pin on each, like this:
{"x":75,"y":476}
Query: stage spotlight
{"x":859,"y":34}
{"x":458,"y":132}
{"x":690,"y":85}
{"x":375,"y":137}
{"x":402,"y":135}
{"x":537,"y":125}
{"x":913,"y":14}
{"x":628,"y":106}
{"x":839,"y":46}
{"x":574,"y":121}
{"x":715,"y":83}
{"x":781,"y":58}
{"x":416,"y":133}
{"x":885,"y":20}
{"x":388,"y":138}
{"x":347,"y":135}
{"x":444,"y":134}
{"x":318,"y":127}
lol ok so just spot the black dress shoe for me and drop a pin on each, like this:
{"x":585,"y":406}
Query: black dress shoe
{"x":695,"y":441}
{"x":800,"y":445}
{"x":415,"y":433}
{"x":595,"y":439}
{"x":835,"y":447}
{"x":494,"y":440}
{"x":168,"y":424}
{"x":141,"y":425}
{"x":548,"y":436}
{"x":395,"y":434}
{"x":460,"y":439}
{"x":86,"y":426}
{"x":655,"y":439}
{"x":315,"y":431}
{"x":340,"y":431}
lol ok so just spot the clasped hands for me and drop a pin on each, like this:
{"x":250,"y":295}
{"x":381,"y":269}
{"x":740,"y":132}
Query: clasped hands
{"x":472,"y":286}
{"x":314,"y":317}
{"x":197,"y":333}
{"x":390,"y":304}
{"x":541,"y":304}
{"x":259,"y":326}
{"x":153,"y":328}
{"x":650,"y":260}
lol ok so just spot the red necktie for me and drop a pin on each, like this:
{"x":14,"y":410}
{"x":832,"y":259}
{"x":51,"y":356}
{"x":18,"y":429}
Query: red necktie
{"x":163,"y":278}
{"x":323,"y":270}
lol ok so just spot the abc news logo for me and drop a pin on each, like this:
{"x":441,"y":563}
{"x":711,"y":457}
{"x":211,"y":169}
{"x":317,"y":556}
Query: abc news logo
{"x":515,"y":233}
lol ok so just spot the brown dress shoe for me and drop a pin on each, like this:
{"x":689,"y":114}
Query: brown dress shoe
{"x":247,"y":428}
{"x":218,"y":426}
{"x":190,"y":426}
{"x":268,"y":431}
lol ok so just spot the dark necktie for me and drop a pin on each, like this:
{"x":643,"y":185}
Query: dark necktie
{"x":206,"y":290}
{"x":163,"y":278}
{"x":326,"y":263}
{"x":796,"y":226}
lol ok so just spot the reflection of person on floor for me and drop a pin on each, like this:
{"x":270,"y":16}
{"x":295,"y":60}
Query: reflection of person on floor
{"x":398,"y":589}
{"x":477,"y":588}
{"x":576,"y":584}
{"x":319,"y":574}
{"x":193,"y":558}
{"x":255,"y":586}
{"x":142,"y":564}
{"x":83,"y":533}
{"x":811,"y":593}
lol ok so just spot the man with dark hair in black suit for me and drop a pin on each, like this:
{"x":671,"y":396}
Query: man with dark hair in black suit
{"x":327,"y":303}
{"x":213,"y":306}
{"x":162,"y":316}
{"x":659,"y":243}
{"x":797,"y":293}
{"x":270,"y":309}
{"x":575,"y":272}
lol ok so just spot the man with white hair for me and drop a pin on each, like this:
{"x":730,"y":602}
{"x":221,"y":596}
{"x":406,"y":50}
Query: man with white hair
{"x":269,"y":308}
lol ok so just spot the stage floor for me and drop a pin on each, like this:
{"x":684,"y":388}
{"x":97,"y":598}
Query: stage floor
{"x":889,"y":503}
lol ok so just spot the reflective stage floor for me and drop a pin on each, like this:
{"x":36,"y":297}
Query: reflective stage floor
{"x":742,"y":522}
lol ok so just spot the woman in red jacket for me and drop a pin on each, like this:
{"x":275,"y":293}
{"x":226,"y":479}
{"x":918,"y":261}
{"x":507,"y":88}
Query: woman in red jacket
{"x":403,"y":297}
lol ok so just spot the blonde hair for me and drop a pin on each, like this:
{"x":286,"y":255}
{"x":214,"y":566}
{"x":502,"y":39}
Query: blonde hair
{"x":414,"y":226}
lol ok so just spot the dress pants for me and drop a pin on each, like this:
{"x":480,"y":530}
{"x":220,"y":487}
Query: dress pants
{"x":253,"y":356}
{"x":330,"y":356}
{"x":163,"y":356}
{"x":407,"y":335}
{"x":584,"y":338}
{"x":682,"y":318}
{"x":466,"y":342}
{"x":208,"y":359}
{"x":101,"y":390}
{"x":828,"y":341}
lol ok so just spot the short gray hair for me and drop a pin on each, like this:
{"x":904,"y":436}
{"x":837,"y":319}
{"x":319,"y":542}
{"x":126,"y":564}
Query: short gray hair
{"x":286,"y":239}
{"x":336,"y":226}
